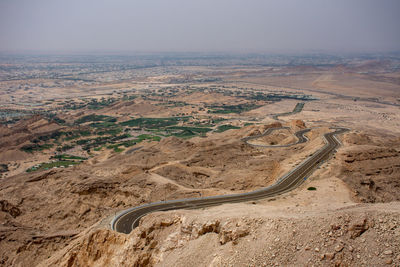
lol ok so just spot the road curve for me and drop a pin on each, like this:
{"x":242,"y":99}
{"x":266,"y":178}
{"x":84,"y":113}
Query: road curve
{"x":128,"y":219}
{"x":301,"y":138}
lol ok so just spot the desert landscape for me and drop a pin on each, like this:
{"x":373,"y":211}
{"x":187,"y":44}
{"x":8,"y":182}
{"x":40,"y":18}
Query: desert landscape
{"x":80,"y":143}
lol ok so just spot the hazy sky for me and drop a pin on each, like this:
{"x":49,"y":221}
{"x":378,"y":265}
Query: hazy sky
{"x":202,"y":25}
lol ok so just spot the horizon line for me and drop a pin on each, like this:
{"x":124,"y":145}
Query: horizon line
{"x":142,"y":52}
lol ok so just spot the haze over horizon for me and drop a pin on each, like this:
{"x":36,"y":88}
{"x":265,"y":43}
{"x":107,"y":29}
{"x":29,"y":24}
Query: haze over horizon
{"x":203,"y":26}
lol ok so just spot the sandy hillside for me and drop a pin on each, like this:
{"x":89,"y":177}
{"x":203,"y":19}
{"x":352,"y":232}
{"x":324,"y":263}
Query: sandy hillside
{"x":78,"y":197}
{"x":331,"y":231}
{"x":347,"y":213}
{"x":45,"y":210}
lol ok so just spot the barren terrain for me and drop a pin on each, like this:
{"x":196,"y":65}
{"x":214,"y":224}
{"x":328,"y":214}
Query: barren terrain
{"x":80,"y":152}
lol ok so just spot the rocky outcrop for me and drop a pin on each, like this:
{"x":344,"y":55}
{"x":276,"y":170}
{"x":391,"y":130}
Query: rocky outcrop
{"x":351,"y":237}
{"x":27,"y":130}
{"x":147,"y":244}
{"x":297,"y":124}
{"x":6,"y":206}
{"x":373,"y":172}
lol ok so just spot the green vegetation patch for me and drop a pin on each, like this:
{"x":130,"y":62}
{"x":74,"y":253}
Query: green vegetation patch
{"x":225,"y":109}
{"x":35,"y":147}
{"x":50,"y":165}
{"x":98,"y":148}
{"x":277,"y":97}
{"x":184,"y":134}
{"x":130,"y":97}
{"x":311,"y":188}
{"x":64,"y":148}
{"x":94,"y":117}
{"x":193,"y":129}
{"x":76,"y":134}
{"x":187,"y":132}
{"x":154,"y":123}
{"x":54,"y":135}
{"x":139,"y":139}
{"x":68,"y":157}
{"x":204,"y":125}
{"x":118,"y":149}
{"x":83,"y":141}
{"x":58,"y":120}
{"x":150,"y":137}
{"x":104,"y":124}
{"x":74,"y":106}
{"x":94,"y":104}
{"x":3,"y":168}
{"x":132,"y":142}
{"x":113,"y":131}
{"x":87,"y":144}
{"x":84,"y":133}
{"x":223,"y":128}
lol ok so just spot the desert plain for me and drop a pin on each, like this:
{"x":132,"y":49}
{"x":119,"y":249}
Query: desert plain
{"x":82,"y":139}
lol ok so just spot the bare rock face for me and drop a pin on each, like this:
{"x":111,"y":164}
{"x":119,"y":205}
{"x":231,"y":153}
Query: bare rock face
{"x":357,"y":139}
{"x":146,"y":245}
{"x":92,"y":186}
{"x":26,"y":130}
{"x":92,"y":249}
{"x":227,"y":231}
{"x":259,"y":130}
{"x":371,"y":171}
{"x":194,"y":229}
{"x":102,"y":247}
{"x":348,"y":238}
{"x":297,"y":124}
{"x":6,"y":206}
{"x":232,"y":233}
{"x":358,"y":227}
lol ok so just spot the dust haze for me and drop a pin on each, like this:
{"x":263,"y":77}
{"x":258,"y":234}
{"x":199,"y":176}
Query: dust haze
{"x":201,"y":26}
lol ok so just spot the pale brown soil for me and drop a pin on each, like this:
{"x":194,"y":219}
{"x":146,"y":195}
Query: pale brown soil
{"x":372,"y":170}
{"x":67,"y":201}
{"x":278,"y":137}
{"x":60,"y":217}
{"x":267,"y":234}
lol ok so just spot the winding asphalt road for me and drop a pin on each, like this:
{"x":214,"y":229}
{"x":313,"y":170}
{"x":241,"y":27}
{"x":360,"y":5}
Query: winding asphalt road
{"x":128,"y":219}
{"x":299,"y":135}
